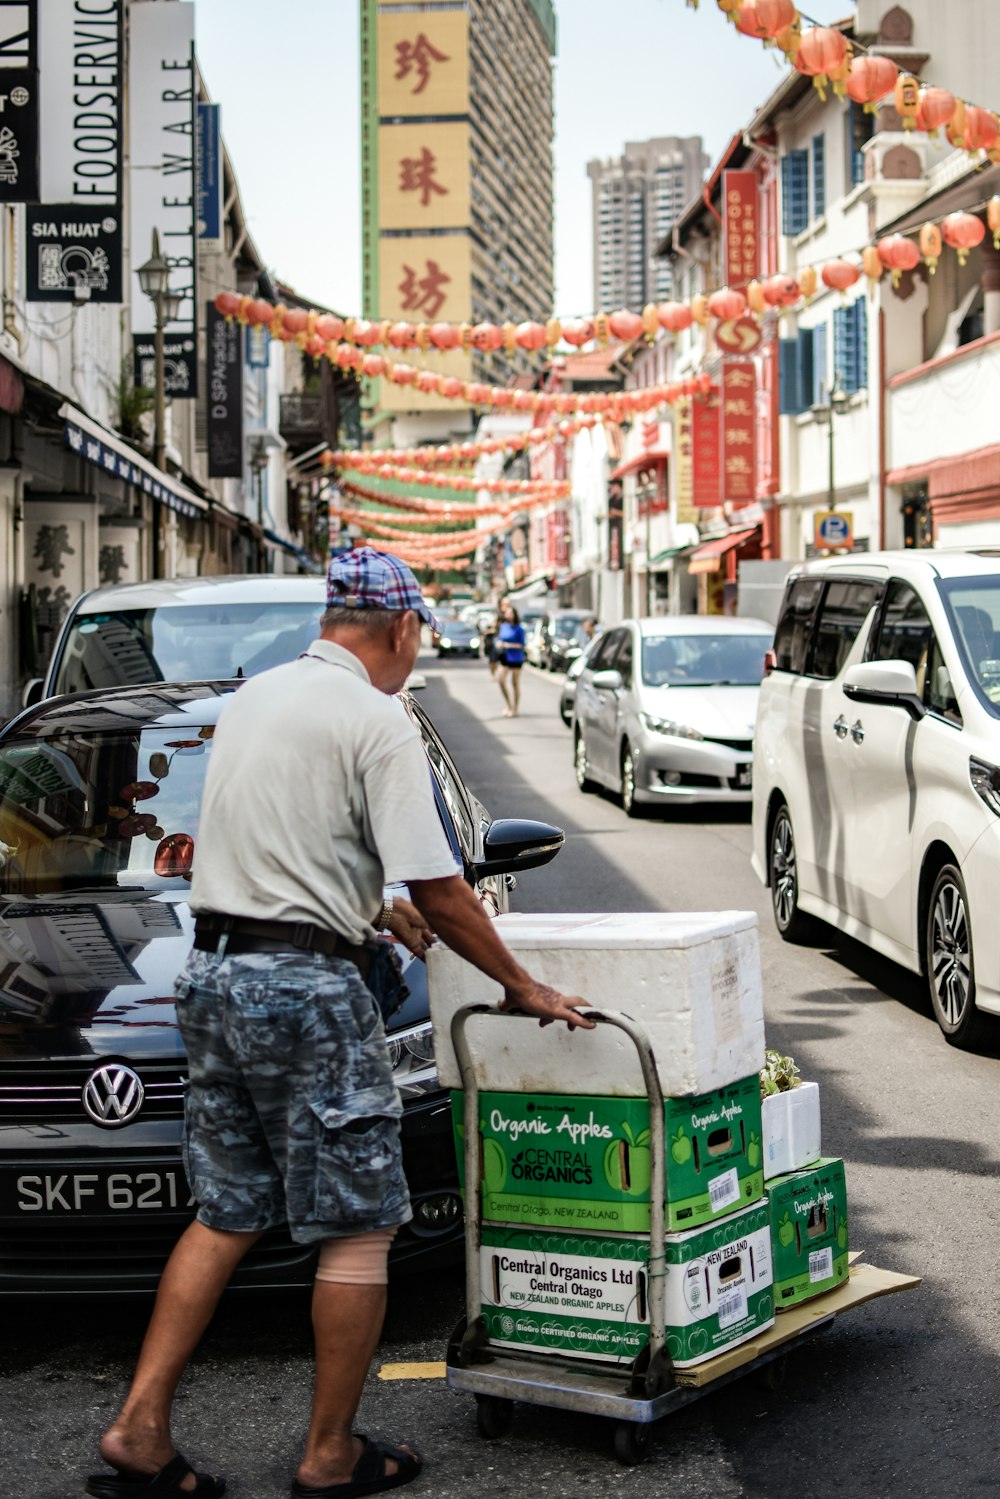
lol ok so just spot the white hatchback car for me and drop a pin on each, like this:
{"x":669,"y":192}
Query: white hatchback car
{"x":665,"y":709}
{"x":876,"y":801}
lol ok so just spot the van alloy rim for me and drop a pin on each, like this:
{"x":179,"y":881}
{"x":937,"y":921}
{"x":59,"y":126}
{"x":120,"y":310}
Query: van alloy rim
{"x":783,"y":877}
{"x":628,"y":779}
{"x":951,"y":963}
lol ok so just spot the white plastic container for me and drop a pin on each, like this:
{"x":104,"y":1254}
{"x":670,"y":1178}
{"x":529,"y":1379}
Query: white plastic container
{"x":692,"y":980}
{"x":791,"y":1129}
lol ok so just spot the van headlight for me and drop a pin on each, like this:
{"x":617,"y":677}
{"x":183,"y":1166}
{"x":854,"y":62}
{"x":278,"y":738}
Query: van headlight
{"x":411,"y":1055}
{"x":668,"y":726}
{"x":985,"y":780}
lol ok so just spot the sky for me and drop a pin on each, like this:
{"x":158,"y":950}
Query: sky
{"x":290,"y":105}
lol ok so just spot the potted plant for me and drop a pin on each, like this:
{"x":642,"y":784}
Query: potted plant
{"x":790,"y":1116}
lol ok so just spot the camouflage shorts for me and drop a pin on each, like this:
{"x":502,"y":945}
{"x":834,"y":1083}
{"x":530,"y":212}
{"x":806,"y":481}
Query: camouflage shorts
{"x":292,"y":1115}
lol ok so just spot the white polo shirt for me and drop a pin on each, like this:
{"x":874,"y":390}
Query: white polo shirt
{"x":318,"y":794}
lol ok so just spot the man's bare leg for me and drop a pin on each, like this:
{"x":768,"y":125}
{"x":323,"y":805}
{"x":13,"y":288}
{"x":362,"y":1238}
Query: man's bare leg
{"x":195,"y":1277}
{"x":347,"y":1322}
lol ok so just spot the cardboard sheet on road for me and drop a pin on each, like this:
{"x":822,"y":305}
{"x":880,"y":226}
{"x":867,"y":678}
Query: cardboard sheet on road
{"x":864,"y":1283}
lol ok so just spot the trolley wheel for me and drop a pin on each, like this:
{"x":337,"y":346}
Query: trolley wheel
{"x":493,"y":1416}
{"x":631,"y":1442}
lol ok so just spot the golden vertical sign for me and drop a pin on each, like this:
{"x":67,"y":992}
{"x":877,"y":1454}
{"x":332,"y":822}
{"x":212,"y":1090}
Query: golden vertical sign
{"x":423,"y":176}
{"x":683,"y":462}
{"x":423,"y":64}
{"x":426,"y":279}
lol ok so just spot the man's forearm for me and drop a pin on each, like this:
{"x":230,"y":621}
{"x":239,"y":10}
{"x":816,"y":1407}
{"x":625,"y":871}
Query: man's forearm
{"x":452,"y":910}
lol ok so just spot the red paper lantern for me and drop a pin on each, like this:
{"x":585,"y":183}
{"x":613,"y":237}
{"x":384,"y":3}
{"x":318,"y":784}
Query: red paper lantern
{"x":764,"y":18}
{"x":870,"y":79}
{"x":294,"y":321}
{"x":365,"y":333}
{"x":402,"y":374}
{"x":427,"y":380}
{"x":674,"y":316}
{"x":625,"y":325}
{"x":935,"y":109}
{"x":727,"y":304}
{"x":402,"y":335}
{"x":328,"y":326}
{"x":578,"y":333}
{"x":840,"y":274}
{"x":963,"y":231}
{"x":315,"y":345}
{"x":444,"y":336}
{"x":822,"y":51}
{"x":981,"y":128}
{"x":487,"y":337}
{"x":228,"y":303}
{"x":781,"y":291}
{"x":530,"y":335}
{"x":374,"y":365}
{"x":451,"y":387}
{"x":477,"y":394}
{"x":897,"y":253}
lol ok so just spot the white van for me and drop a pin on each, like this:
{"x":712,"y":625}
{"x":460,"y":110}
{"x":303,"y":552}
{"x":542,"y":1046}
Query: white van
{"x":876,"y":775}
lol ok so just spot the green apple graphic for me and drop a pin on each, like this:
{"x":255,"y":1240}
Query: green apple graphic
{"x":494,"y":1166}
{"x":753,"y":1152}
{"x":640,"y":1162}
{"x":680,"y":1147}
{"x":842,"y":1233}
{"x":786,"y":1232}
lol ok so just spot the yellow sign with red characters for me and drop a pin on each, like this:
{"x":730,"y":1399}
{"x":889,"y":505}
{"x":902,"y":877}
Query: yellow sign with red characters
{"x":423,"y":64}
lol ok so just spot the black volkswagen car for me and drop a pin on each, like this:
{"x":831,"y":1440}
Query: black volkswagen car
{"x":99,"y":806}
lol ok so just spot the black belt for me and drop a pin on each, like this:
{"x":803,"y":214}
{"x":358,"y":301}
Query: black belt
{"x":246,"y":935}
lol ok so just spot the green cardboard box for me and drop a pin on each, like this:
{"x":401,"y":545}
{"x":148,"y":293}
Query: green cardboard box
{"x":587,"y":1296}
{"x":578,"y":1163}
{"x":808,"y":1232}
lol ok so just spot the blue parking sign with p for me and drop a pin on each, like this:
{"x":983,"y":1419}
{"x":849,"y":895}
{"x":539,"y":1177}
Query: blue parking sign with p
{"x":834,"y":531}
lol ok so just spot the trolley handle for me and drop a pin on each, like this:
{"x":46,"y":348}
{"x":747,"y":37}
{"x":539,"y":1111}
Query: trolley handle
{"x":473,"y":1184}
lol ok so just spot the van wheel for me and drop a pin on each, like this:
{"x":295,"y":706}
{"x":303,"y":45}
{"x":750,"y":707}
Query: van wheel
{"x":581,"y":765}
{"x":794,"y":925}
{"x":951,"y":975}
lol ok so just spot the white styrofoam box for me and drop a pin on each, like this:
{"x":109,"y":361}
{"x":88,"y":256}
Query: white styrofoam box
{"x":691,"y":979}
{"x":791,"y":1129}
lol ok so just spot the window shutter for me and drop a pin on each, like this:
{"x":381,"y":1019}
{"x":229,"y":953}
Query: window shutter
{"x":859,"y":310}
{"x":842,"y":338}
{"x":820,"y":379}
{"x":788,"y":377}
{"x":794,"y":192}
{"x":806,"y":365}
{"x":850,"y":345}
{"x":819,"y":175}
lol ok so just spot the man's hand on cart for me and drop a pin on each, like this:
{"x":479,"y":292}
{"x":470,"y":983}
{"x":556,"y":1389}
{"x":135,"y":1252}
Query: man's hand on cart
{"x":548,"y":1004}
{"x":408,"y":926}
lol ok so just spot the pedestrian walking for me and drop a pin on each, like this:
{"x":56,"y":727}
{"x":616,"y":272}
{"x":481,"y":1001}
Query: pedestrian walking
{"x":318,"y":794}
{"x":510,"y":641}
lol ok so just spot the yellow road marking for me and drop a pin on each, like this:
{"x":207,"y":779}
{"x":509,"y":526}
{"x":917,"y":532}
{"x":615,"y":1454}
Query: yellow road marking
{"x":411,"y":1371}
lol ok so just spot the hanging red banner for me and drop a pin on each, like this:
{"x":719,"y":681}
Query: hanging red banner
{"x":737,"y":433}
{"x":739,"y":194}
{"x":706,"y":486}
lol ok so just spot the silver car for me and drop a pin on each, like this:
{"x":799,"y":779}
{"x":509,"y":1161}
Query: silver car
{"x":665,"y":710}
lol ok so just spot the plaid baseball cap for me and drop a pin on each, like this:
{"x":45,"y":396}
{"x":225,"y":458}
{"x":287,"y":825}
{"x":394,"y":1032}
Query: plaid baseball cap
{"x":366,"y":579}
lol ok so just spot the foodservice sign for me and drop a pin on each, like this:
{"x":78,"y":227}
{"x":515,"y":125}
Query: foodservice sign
{"x":19,"y":113}
{"x":225,"y":395}
{"x":162,"y":177}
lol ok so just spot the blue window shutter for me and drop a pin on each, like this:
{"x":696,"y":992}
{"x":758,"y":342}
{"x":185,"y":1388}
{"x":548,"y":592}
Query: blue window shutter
{"x":856,"y":156}
{"x":819,"y":175}
{"x":859,"y":308}
{"x":805,"y":392}
{"x":820,"y":379}
{"x":788,"y":377}
{"x":794,"y":192}
{"x":843,"y":319}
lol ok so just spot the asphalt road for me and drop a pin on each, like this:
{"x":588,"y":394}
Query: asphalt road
{"x":896,"y":1400}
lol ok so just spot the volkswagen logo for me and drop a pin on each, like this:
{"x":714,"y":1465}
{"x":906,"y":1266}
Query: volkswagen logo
{"x":113,"y":1095}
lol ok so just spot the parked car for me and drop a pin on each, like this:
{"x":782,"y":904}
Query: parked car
{"x":181,"y":630}
{"x":876,"y":802}
{"x":665,"y":710}
{"x":99,"y":805}
{"x":456,"y":637}
{"x":564,"y":637}
{"x":568,"y":695}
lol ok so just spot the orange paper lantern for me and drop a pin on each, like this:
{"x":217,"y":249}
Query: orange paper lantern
{"x":981,"y":128}
{"x":963,"y":231}
{"x":955,"y":128}
{"x":699,"y":308}
{"x":929,"y":240}
{"x":487,"y":337}
{"x":578,"y":333}
{"x":228,"y":303}
{"x":898,"y":254}
{"x":444,"y":335}
{"x":764,"y":18}
{"x":993,"y":219}
{"x":625,"y":325}
{"x":840,"y":274}
{"x":823,"y":54}
{"x":935,"y":109}
{"x":674,"y":316}
{"x":727,"y":304}
{"x":530,"y":335}
{"x":781,"y":291}
{"x":808,"y":280}
{"x":906,"y":97}
{"x":870,"y":79}
{"x":756,"y":300}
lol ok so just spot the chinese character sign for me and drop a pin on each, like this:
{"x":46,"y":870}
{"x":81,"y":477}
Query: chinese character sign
{"x":705,"y":475}
{"x":683,"y":461}
{"x":737,"y":432}
{"x":424,"y":176}
{"x":423,"y":63}
{"x":425,"y":278}
{"x":742,"y":229}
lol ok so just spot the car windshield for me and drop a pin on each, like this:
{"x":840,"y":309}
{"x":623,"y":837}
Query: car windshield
{"x":101,"y":810}
{"x":974,"y":605}
{"x":569,"y":629}
{"x":703,"y":660}
{"x":184,"y":643}
{"x":457,"y":628}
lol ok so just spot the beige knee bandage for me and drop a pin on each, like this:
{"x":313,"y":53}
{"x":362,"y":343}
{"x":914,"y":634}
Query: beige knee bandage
{"x":361,"y":1260}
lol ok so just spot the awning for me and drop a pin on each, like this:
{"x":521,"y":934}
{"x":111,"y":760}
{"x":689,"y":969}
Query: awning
{"x":532,"y":588}
{"x":708,"y":557}
{"x":112,"y":454}
{"x":662,"y":562}
{"x":282,"y":543}
{"x":653,"y":458}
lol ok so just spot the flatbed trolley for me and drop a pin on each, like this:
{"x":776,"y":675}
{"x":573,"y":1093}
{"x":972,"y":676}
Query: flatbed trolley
{"x":637,"y":1393}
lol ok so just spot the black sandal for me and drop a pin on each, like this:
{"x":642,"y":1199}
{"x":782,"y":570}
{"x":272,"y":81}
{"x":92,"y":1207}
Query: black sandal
{"x":369,"y":1475}
{"x":165,"y":1484}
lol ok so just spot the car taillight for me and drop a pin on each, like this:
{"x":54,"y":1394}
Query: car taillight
{"x":770,"y":662}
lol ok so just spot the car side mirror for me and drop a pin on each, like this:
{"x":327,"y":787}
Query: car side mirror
{"x":32,"y":693}
{"x":609,"y":680}
{"x":885,"y":684}
{"x":514,"y":843}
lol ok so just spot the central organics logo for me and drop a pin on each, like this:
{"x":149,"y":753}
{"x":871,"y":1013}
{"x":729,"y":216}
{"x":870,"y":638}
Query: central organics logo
{"x":507,"y":1326}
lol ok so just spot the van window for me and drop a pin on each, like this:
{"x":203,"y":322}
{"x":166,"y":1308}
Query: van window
{"x":974,"y":607}
{"x":791,"y":638}
{"x":623,"y":660}
{"x":601,"y":658}
{"x":843,"y":611}
{"x":906,"y":634}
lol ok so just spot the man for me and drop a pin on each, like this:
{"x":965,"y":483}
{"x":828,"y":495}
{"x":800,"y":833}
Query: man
{"x":318,"y":795}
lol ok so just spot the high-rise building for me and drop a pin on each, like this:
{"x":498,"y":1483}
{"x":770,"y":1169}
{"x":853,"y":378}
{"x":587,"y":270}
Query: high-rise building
{"x":456,"y":149}
{"x":637,"y":197}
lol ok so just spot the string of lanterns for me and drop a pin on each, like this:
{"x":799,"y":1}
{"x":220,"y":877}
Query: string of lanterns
{"x":464,"y":452}
{"x":465,"y":482}
{"x":444,"y":509}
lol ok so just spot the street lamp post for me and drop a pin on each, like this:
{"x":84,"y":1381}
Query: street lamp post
{"x":154,"y":279}
{"x":836,"y":401}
